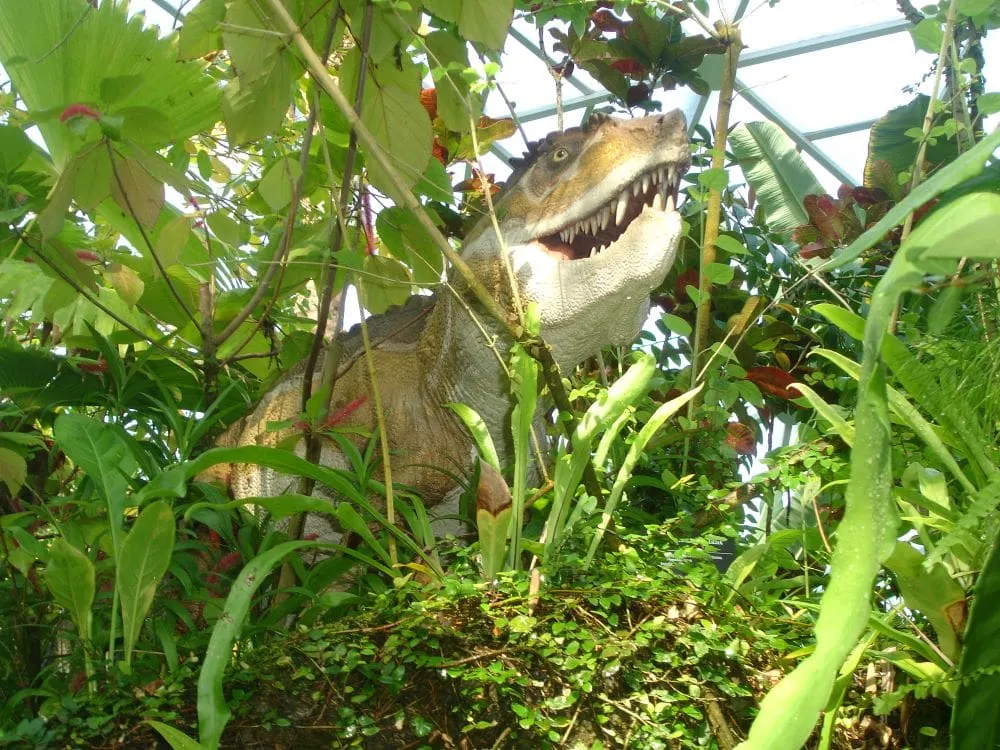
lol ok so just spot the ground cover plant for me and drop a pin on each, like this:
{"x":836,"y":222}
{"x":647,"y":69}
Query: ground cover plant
{"x":180,"y":208}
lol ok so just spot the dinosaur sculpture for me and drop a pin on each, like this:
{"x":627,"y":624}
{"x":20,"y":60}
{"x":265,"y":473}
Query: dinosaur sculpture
{"x":589,"y":224}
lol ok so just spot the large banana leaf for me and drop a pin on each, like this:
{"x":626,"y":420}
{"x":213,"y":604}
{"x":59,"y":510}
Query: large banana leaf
{"x":62,"y":52}
{"x":776,"y":172}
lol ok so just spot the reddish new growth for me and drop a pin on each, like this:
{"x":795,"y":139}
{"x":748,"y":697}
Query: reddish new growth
{"x":339,"y":415}
{"x":79,"y":110}
{"x":88,"y":255}
{"x":774,"y":381}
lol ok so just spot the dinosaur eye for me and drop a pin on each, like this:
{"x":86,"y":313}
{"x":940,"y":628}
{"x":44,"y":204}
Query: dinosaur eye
{"x":560,"y":154}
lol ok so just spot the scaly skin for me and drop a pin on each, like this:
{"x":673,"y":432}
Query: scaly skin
{"x":438,"y":355}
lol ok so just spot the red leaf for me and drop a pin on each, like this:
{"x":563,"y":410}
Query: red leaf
{"x":429,"y":101}
{"x":79,"y":110}
{"x":629,"y":67}
{"x":345,"y":411}
{"x":741,"y":438}
{"x":774,"y":381}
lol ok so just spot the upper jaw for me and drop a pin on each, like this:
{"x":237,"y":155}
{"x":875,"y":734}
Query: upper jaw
{"x":589,"y":234}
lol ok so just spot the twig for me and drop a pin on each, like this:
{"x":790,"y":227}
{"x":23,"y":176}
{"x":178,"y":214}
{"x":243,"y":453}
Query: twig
{"x":145,"y":237}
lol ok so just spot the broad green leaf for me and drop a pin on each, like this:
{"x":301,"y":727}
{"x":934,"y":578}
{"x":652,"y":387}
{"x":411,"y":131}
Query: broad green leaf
{"x":278,"y":183}
{"x":68,"y":49}
{"x":968,"y":226}
{"x":486,"y":21}
{"x":136,"y":191}
{"x":70,"y":577}
{"x":446,"y":10}
{"x":254,"y":109}
{"x":716,"y":178}
{"x":177,"y":739}
{"x":14,"y":148}
{"x":93,"y":179}
{"x":144,"y":558}
{"x":98,"y":449}
{"x":51,"y":218}
{"x":932,"y":592}
{"x":975,"y":719}
{"x":927,"y":35}
{"x":393,"y":114}
{"x":730,"y":245}
{"x":677,"y":324}
{"x":13,"y":470}
{"x":115,"y":88}
{"x":128,"y":284}
{"x":457,"y":108}
{"x":200,"y":34}
{"x":719,"y":273}
{"x":774,"y":169}
{"x":988,"y":104}
{"x":965,"y":167}
{"x":890,"y":143}
{"x":384,"y":282}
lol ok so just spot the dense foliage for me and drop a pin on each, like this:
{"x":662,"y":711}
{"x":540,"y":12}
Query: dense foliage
{"x":179,"y":208}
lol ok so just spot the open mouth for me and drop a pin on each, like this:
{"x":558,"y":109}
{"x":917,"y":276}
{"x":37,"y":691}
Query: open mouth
{"x":594,"y":233}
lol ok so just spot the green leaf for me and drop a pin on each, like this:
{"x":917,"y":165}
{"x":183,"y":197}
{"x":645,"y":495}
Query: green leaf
{"x":200,"y":34}
{"x":524,"y":388}
{"x":225,"y":228}
{"x":13,"y":470}
{"x":676,"y":324}
{"x":446,"y":10}
{"x":73,"y":50}
{"x":15,"y":147}
{"x":385,"y":282}
{"x":98,"y":449}
{"x":144,"y":558}
{"x":393,"y":114}
{"x":716,"y":178}
{"x":278,"y":183}
{"x":486,"y":21}
{"x":138,"y":194}
{"x":213,"y":713}
{"x":116,"y":88}
{"x":257,"y":108}
{"x":479,"y":431}
{"x":774,"y":169}
{"x":51,"y":218}
{"x":731,"y":245}
{"x":93,"y":180}
{"x":890,"y":141}
{"x":928,"y":35}
{"x":988,"y":104}
{"x":457,"y":108}
{"x":975,"y":719}
{"x":177,"y":739}
{"x":966,"y":227}
{"x":932,"y":592}
{"x":70,"y":577}
{"x":719,"y":273}
{"x":128,"y":284}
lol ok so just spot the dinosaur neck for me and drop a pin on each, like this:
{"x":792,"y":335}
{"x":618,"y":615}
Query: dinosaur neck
{"x":462,"y":368}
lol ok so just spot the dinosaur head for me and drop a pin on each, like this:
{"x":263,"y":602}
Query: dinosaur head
{"x":590,"y":224}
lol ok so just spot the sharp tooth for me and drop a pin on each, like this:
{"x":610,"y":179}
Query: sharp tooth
{"x":605,"y":217}
{"x":569,"y":234}
{"x":636,"y":187}
{"x":593,"y":224}
{"x":593,"y":251}
{"x":671,"y":176}
{"x":645,"y":182}
{"x":662,"y":172}
{"x":620,"y":208}
{"x":658,"y":202}
{"x":563,"y":234}
{"x":664,"y":192}
{"x":670,"y":202}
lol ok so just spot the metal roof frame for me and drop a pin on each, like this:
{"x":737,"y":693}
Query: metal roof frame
{"x":806,"y":141}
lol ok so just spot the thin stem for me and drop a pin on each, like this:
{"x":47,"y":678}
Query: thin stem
{"x":730,"y":34}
